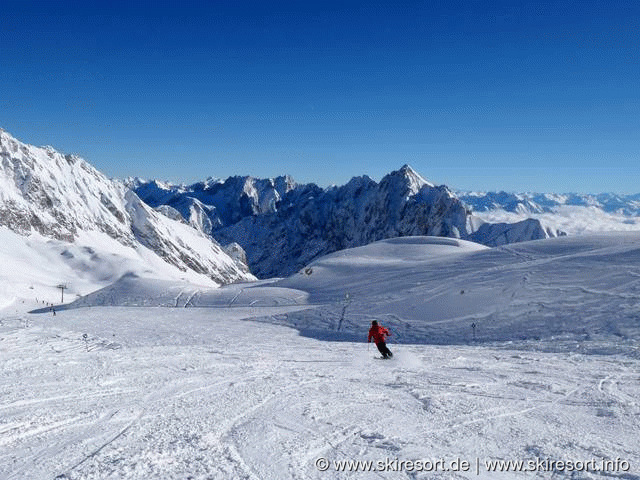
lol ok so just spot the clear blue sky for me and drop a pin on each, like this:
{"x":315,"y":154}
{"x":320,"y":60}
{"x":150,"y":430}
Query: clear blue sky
{"x":538,"y":96}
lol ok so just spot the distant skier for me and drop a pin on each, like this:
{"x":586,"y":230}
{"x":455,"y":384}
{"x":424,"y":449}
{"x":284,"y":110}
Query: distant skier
{"x":379,"y":334}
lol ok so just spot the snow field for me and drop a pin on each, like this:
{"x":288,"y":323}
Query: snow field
{"x":199,"y":393}
{"x":574,"y":290}
{"x":161,"y":378}
{"x":32,"y":267}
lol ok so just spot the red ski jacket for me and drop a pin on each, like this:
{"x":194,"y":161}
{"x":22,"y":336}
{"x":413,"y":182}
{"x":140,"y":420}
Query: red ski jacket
{"x":378,"y":333}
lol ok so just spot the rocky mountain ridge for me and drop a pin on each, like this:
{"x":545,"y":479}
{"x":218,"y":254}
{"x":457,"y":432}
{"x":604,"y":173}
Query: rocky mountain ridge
{"x":282,"y":225}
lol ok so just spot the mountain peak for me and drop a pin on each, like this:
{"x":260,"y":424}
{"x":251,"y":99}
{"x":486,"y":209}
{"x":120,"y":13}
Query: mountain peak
{"x":408,"y":171}
{"x":407,"y":178}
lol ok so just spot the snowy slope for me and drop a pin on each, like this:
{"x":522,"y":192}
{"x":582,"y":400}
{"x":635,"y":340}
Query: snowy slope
{"x":217,"y":390}
{"x":203,"y":395}
{"x":62,"y":197}
{"x":569,"y":288}
{"x":33,"y":267}
{"x":432,"y":289}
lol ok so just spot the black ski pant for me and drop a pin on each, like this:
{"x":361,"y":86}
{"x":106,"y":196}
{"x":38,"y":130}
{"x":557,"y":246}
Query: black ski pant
{"x":384,"y":350}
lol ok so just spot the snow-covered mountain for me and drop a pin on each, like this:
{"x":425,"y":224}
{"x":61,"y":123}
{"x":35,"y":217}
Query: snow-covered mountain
{"x":571,"y":213}
{"x":522,"y":359}
{"x":530,"y":203}
{"x":214,"y":204}
{"x":282,"y":226}
{"x":62,"y":198}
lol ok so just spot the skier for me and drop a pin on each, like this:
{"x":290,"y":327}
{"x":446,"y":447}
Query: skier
{"x":379,"y":333}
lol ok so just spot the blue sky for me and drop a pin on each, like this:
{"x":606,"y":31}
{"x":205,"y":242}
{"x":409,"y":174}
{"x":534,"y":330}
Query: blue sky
{"x":537,"y":96}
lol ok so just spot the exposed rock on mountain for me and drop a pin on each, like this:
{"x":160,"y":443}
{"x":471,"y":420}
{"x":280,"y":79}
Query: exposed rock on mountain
{"x":282,"y":226}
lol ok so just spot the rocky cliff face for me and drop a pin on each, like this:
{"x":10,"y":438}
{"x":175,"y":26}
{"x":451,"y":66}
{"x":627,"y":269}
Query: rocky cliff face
{"x":282,"y":226}
{"x":311,"y":222}
{"x":214,"y":204}
{"x":58,"y":196}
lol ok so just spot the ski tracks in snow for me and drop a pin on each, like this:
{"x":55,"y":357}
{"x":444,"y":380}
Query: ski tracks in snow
{"x":252,"y":401}
{"x":186,"y":298}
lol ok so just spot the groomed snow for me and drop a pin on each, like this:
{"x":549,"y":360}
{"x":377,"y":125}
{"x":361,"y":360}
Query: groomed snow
{"x":226,"y":389}
{"x":567,"y":289}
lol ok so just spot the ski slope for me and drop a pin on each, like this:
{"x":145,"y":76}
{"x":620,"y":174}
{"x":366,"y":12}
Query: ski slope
{"x":33,"y":267}
{"x":567,"y":289}
{"x":156,"y":378}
